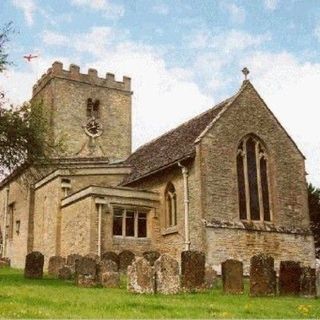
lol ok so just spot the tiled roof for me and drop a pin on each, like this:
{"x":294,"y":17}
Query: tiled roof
{"x":171,"y":147}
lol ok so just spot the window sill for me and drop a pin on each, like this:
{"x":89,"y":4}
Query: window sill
{"x":122,"y":238}
{"x":169,"y":230}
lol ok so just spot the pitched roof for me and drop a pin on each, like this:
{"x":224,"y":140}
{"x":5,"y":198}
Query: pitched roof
{"x":171,"y":147}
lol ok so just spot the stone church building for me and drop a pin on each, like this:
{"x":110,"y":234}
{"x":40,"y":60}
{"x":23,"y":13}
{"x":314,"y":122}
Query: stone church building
{"x":229,"y":182}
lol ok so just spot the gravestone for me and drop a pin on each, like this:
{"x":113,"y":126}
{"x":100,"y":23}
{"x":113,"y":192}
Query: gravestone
{"x":65,"y":273}
{"x":108,"y":275}
{"x":210,"y":277}
{"x":4,"y":262}
{"x":141,"y":277}
{"x":151,"y":256}
{"x":192,"y":270}
{"x":72,"y":258}
{"x":93,"y":256}
{"x":126,"y":258}
{"x":55,"y":264}
{"x":86,"y":272}
{"x":308,"y":282}
{"x":232,"y":276}
{"x":110,"y":255}
{"x":34,"y":265}
{"x":289,"y":278}
{"x":167,"y":278}
{"x":263,"y":279}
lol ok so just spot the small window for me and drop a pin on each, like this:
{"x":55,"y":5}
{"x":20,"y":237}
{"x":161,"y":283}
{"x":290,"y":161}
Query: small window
{"x":93,"y":109}
{"x":129,"y":223}
{"x":171,"y":205}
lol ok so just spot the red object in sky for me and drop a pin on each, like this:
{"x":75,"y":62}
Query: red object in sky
{"x":29,"y":57}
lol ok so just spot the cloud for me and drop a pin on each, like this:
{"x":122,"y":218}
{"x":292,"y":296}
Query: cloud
{"x":161,"y":9}
{"x":109,"y":9}
{"x":237,"y":13}
{"x":290,"y":88}
{"x":271,"y":4}
{"x":28,"y":7}
{"x":54,"y":38}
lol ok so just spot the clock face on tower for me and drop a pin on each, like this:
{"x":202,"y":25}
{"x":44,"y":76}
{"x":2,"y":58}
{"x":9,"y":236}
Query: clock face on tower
{"x":93,"y":128}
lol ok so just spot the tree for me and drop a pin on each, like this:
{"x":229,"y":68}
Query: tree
{"x":314,"y":211}
{"x":23,"y":129}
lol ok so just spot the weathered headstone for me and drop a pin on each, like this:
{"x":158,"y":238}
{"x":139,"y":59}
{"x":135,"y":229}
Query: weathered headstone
{"x":4,"y":262}
{"x":151,"y":256}
{"x":34,"y":265}
{"x":308,"y":282}
{"x":55,"y":264}
{"x":72,"y":258}
{"x":141,"y":277}
{"x":232,"y":276}
{"x":192,"y":270}
{"x":263,"y":279}
{"x":65,"y":273}
{"x":126,"y":258}
{"x":86,"y":272}
{"x":210,"y":277}
{"x":110,"y":255}
{"x":108,"y":275}
{"x":93,"y":256}
{"x":289,"y":278}
{"x":167,"y":278}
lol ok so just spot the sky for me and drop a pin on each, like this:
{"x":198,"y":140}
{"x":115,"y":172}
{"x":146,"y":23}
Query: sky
{"x":183,"y":56}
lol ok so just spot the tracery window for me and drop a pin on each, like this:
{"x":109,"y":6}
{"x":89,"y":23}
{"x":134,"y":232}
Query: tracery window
{"x":93,"y":109}
{"x":171,"y":205}
{"x":253,"y":185}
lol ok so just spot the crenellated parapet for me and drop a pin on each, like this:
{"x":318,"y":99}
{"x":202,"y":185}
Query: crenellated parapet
{"x":73,"y":74}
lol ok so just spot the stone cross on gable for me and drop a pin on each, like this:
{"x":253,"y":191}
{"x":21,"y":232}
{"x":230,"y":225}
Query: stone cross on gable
{"x":245,"y":71}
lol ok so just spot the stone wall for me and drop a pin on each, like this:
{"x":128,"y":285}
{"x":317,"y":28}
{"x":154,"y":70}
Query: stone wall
{"x":77,"y":228}
{"x":225,"y":243}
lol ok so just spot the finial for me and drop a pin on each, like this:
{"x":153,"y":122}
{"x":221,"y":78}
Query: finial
{"x":245,"y":71}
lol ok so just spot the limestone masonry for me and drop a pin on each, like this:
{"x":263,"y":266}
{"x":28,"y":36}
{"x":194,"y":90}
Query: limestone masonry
{"x":229,"y":182}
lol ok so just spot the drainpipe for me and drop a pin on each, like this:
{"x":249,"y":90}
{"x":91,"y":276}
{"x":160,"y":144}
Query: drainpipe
{"x":186,"y":206}
{"x":99,"y":202}
{"x":6,"y":203}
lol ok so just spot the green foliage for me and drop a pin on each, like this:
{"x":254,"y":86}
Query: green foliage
{"x":4,"y":39}
{"x":51,"y":298}
{"x":314,"y":211}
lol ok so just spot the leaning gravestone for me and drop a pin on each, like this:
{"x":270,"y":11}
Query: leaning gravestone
{"x":71,"y":261}
{"x":192,"y":270}
{"x":65,"y":273}
{"x":308,"y":282}
{"x":151,"y":256}
{"x":232,"y":276}
{"x":289,"y":278}
{"x":108,"y":275}
{"x":110,"y":255}
{"x":55,"y":264}
{"x":141,"y":277}
{"x":34,"y":265}
{"x":263,"y":279}
{"x":126,"y":258}
{"x":167,"y":278}
{"x":86,"y":272}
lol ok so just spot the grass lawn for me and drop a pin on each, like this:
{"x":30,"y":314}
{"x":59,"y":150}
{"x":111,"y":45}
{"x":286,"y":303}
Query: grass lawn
{"x":51,"y":298}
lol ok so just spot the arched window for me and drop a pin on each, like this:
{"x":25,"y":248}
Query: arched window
{"x":253,"y":186}
{"x":171,"y":205}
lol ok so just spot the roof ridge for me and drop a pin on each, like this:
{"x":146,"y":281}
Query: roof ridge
{"x":182,"y":124}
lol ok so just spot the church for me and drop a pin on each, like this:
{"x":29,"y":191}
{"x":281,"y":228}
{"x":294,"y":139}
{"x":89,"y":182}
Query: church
{"x":229,"y":182}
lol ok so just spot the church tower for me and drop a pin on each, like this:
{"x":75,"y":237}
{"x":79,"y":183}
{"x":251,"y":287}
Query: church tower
{"x":89,"y":114}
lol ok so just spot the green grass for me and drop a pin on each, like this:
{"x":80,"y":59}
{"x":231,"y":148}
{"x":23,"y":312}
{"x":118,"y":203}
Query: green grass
{"x":51,"y":298}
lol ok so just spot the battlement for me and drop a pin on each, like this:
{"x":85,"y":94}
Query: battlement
{"x":73,"y":74}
